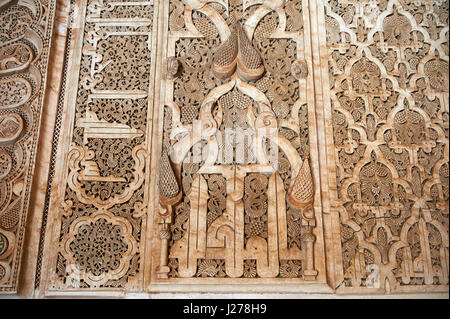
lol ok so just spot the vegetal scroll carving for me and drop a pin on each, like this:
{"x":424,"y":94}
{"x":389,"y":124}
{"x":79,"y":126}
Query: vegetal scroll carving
{"x":230,"y":216}
{"x":25,"y":32}
{"x":388,"y":73}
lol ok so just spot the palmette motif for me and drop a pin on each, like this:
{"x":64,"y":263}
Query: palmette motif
{"x":234,"y":220}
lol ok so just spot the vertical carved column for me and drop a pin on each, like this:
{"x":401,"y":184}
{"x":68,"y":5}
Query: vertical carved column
{"x":301,"y":197}
{"x":102,"y":160}
{"x":26,"y":28}
{"x":169,"y":195}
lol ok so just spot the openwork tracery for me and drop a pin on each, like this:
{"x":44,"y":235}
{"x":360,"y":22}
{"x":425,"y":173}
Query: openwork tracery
{"x":388,"y":72}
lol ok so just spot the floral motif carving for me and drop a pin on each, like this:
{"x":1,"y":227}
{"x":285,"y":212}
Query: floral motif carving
{"x":11,"y":126}
{"x":15,"y":92}
{"x":98,"y":247}
{"x":153,"y":190}
{"x":388,"y":81}
{"x":15,"y":58}
{"x":101,"y":220}
{"x":241,"y":68}
{"x":25,"y":32}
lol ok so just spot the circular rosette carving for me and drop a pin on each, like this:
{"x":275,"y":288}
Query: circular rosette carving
{"x":207,"y":268}
{"x":256,"y":207}
{"x":11,"y":125}
{"x":99,"y":248}
{"x":14,"y":92}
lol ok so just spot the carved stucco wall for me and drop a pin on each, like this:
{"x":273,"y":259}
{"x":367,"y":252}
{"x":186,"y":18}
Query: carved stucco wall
{"x":355,"y":91}
{"x":25,"y":33}
{"x":387,"y":140}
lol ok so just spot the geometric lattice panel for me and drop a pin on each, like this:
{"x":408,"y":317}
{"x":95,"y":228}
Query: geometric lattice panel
{"x":387,"y":110}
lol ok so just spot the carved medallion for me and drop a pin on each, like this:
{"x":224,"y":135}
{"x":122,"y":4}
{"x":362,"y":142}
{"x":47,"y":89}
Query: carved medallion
{"x":11,"y":125}
{"x":3,"y":244}
{"x":15,"y":92}
{"x":15,"y":58}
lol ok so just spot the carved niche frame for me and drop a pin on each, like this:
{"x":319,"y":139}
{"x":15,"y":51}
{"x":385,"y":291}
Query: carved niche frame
{"x":164,"y":100}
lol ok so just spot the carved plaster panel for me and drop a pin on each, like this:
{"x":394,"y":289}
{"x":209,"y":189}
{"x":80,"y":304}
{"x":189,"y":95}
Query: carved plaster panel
{"x":386,"y":105}
{"x":25,"y":33}
{"x":235,"y":145}
{"x":118,"y":214}
{"x":238,"y":195}
{"x":100,"y":198}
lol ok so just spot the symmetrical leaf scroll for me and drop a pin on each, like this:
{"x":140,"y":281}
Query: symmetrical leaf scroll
{"x":25,"y":33}
{"x":388,"y":90}
{"x":235,"y":92}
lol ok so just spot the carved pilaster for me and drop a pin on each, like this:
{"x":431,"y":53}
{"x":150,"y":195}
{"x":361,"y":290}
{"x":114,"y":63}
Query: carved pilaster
{"x":169,"y":195}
